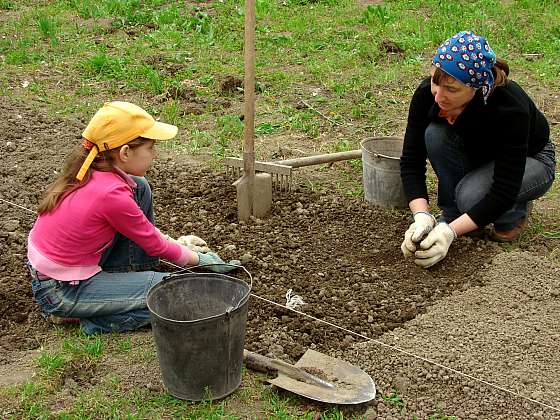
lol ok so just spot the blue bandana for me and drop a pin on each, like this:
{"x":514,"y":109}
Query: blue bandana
{"x":468,"y":58}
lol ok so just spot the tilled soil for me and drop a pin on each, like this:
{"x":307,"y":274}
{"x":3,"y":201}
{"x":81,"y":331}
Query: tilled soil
{"x":342,"y":256}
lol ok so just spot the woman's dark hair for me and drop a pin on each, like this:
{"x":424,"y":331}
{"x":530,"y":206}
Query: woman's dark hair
{"x":67,"y":182}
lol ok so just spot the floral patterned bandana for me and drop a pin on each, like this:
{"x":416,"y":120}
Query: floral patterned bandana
{"x":468,"y":58}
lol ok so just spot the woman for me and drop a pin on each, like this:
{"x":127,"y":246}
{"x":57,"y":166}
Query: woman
{"x":487,"y":142}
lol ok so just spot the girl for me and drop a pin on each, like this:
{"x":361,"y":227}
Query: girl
{"x":487,"y":142}
{"x":94,"y":243}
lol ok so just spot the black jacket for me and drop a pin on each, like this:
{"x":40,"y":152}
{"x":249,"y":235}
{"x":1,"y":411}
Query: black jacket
{"x":506,"y":129}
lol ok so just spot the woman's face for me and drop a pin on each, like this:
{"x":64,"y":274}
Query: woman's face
{"x":450,"y":94}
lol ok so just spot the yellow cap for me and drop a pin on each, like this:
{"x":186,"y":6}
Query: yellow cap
{"x":117,"y":123}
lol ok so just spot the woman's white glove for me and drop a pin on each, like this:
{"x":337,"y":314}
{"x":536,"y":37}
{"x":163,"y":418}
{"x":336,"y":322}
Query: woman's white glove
{"x":194,"y":243}
{"x":434,"y":248}
{"x":424,"y":222}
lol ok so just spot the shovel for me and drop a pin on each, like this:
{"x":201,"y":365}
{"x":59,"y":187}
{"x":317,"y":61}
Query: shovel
{"x":318,"y":377}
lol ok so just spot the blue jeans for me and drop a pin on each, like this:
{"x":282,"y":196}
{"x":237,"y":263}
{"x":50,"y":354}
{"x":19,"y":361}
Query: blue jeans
{"x":462,"y":184}
{"x":113,"y":300}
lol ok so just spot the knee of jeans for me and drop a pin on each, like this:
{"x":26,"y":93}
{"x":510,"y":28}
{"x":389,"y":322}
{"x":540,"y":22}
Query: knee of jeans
{"x":434,"y":137}
{"x":466,"y":197}
{"x":116,"y":323}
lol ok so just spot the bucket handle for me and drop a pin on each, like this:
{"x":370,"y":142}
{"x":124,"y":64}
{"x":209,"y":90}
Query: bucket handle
{"x":189,"y":270}
{"x":381,"y":155}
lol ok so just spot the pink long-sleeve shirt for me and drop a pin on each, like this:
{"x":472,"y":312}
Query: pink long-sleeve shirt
{"x":67,"y":243}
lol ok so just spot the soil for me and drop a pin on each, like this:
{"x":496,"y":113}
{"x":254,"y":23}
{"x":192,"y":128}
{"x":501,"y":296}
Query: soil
{"x":484,"y":311}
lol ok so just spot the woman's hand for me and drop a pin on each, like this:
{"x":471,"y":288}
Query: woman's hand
{"x":423,"y":224}
{"x":436,"y":245}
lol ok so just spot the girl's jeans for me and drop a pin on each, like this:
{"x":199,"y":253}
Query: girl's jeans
{"x":114,"y":300}
{"x":461,"y":185}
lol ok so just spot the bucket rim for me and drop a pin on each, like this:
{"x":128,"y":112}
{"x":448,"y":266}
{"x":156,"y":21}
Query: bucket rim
{"x":379,"y":155}
{"x":173,"y":277}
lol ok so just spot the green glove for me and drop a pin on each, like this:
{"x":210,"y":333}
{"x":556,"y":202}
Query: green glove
{"x":215,"y":263}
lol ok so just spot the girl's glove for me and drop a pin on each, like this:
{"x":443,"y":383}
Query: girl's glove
{"x":194,"y":243}
{"x":434,"y":248}
{"x":424,"y":222}
{"x":215,"y":263}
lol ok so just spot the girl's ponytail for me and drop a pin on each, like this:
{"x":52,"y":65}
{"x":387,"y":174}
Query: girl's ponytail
{"x":67,"y":182}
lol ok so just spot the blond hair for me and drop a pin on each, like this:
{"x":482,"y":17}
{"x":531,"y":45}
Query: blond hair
{"x":66,"y":182}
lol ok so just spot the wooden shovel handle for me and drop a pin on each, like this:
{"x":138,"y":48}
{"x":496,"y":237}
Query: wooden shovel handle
{"x":265,"y":364}
{"x":249,"y":91}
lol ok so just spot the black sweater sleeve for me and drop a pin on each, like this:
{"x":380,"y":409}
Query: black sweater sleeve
{"x":512,"y":140}
{"x":413,"y":158}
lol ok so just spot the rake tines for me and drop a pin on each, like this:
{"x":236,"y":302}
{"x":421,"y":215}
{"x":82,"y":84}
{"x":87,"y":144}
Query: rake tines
{"x":281,"y":174}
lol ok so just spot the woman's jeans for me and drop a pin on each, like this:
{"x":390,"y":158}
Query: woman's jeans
{"x":113,"y":300}
{"x":461,"y":184}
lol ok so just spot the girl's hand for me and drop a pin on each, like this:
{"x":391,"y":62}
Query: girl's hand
{"x":213,"y":262}
{"x":194,"y":243}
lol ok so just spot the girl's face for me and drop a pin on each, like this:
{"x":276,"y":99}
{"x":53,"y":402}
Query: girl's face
{"x":136,"y":160}
{"x":451,"y":94}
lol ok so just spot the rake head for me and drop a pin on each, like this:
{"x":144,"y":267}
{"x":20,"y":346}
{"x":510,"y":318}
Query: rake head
{"x":281,"y":174}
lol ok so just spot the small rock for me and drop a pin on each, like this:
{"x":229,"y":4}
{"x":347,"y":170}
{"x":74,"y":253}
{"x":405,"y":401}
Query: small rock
{"x":276,"y":349}
{"x":402,"y":383}
{"x":11,"y":225}
{"x":245,"y":258}
{"x":229,"y":247}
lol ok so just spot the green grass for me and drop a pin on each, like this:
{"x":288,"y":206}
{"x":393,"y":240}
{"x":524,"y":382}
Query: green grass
{"x":331,"y":47}
{"x":394,"y":399}
{"x":74,"y":384}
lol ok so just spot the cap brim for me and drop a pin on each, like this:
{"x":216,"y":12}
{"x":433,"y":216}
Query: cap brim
{"x":160,"y":131}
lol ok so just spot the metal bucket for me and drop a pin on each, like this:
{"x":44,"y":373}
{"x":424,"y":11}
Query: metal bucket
{"x":198,"y":322}
{"x":381,"y":172}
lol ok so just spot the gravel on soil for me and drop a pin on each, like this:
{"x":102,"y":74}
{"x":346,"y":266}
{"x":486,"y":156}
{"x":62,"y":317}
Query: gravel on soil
{"x":342,"y":257}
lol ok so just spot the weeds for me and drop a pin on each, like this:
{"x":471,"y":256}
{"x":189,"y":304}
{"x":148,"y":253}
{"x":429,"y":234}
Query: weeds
{"x":377,"y":14}
{"x":48,"y":28}
{"x":7,"y":5}
{"x":51,"y":363}
{"x":395,"y":399}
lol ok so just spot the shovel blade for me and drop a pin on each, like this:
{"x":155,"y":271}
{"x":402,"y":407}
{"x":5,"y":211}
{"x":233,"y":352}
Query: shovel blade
{"x":352,"y":385}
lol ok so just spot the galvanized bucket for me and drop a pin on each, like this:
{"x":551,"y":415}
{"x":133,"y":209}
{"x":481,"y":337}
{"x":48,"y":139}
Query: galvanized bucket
{"x":381,"y":172}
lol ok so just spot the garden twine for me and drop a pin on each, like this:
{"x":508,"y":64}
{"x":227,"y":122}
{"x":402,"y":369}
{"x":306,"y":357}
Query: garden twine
{"x":289,"y":306}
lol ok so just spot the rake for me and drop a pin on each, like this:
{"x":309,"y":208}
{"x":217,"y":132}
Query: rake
{"x":281,"y":171}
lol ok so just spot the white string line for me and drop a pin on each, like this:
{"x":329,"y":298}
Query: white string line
{"x":410,"y":354}
{"x":17,"y":205}
{"x":424,"y":359}
{"x":398,"y":349}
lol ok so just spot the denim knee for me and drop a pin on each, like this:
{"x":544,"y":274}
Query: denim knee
{"x":434,"y":137}
{"x":466,"y":198}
